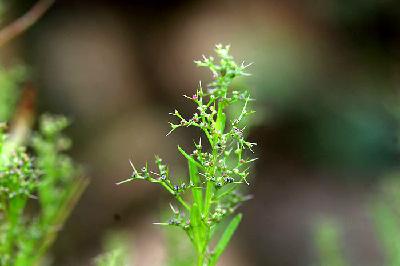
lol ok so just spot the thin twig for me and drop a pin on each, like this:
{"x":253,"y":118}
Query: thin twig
{"x":25,"y":21}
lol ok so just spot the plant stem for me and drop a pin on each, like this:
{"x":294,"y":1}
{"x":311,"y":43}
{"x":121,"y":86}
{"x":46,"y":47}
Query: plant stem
{"x":179,"y":198}
{"x":20,"y":25}
{"x":200,"y":259}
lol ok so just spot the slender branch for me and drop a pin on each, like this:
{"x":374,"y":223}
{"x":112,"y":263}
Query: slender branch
{"x":25,"y":21}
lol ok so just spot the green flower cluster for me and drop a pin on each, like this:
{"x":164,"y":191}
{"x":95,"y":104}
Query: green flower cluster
{"x":18,"y":177}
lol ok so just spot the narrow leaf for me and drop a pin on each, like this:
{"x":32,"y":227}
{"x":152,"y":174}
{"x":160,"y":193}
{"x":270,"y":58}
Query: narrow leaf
{"x":225,"y":238}
{"x":195,"y":220}
{"x":189,"y":158}
{"x":195,"y":179}
{"x":221,"y":118}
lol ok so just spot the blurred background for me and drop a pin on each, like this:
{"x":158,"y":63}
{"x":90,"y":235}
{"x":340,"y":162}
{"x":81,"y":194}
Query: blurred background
{"x":326,"y":77}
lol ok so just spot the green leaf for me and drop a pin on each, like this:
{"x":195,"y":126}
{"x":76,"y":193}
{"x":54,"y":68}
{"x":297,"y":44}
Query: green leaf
{"x":195,"y":220}
{"x":195,"y":179}
{"x":225,"y":238}
{"x":189,"y":158}
{"x":221,"y":118}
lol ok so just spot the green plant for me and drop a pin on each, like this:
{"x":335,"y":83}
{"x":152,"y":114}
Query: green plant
{"x":44,"y":176}
{"x":217,"y":168}
{"x":39,"y":183}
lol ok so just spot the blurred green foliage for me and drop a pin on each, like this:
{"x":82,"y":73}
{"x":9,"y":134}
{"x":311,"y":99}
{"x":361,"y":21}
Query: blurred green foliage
{"x":116,"y":251}
{"x":178,"y":248}
{"x":385,"y":213}
{"x":328,"y":243}
{"x":10,"y":82}
{"x":39,"y":183}
{"x":388,"y":230}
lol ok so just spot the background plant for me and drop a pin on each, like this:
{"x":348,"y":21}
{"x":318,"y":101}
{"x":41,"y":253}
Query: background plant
{"x":328,"y":243}
{"x":383,"y":211}
{"x":115,"y":251}
{"x":39,"y":182}
{"x":217,"y":166}
{"x":384,"y":214}
{"x":45,"y":177}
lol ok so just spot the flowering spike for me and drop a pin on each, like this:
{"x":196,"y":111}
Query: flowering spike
{"x":215,"y":172}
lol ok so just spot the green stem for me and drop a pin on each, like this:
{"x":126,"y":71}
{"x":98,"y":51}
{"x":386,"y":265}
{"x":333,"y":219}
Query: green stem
{"x":179,"y":198}
{"x":209,"y":196}
{"x":16,"y":207}
{"x":210,"y":190}
{"x":200,"y":259}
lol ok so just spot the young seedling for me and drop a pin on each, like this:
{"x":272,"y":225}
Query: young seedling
{"x":218,"y":168}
